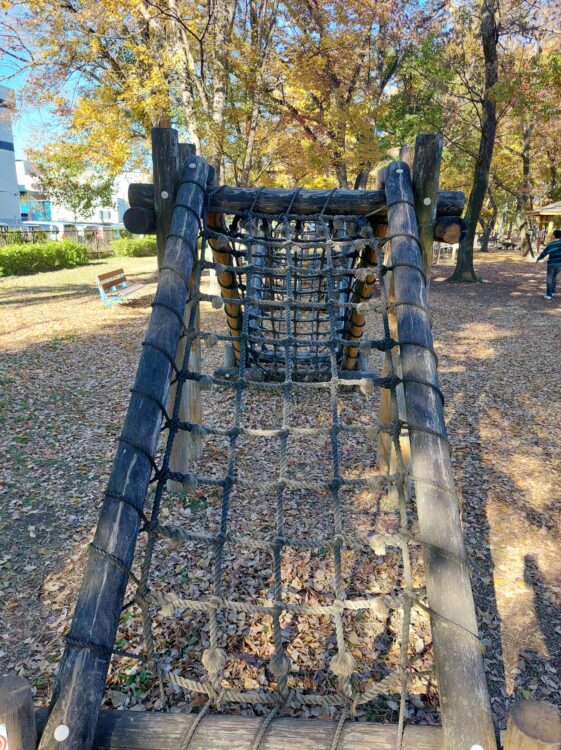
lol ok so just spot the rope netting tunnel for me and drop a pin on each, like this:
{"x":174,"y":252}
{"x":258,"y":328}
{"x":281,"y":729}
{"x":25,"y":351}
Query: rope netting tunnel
{"x":289,"y":259}
{"x":281,"y":571}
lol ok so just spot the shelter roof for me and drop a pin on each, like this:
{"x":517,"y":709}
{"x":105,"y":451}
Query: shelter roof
{"x":553,"y":209}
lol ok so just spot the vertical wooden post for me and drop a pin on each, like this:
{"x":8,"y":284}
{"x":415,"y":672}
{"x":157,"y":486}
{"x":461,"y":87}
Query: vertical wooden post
{"x":187,"y":447}
{"x":165,"y":168}
{"x":17,"y":716}
{"x":426,"y":175}
{"x":407,"y":154}
{"x":533,"y":725}
{"x":466,"y":712}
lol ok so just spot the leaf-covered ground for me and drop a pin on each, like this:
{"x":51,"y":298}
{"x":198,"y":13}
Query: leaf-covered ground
{"x":66,"y":364}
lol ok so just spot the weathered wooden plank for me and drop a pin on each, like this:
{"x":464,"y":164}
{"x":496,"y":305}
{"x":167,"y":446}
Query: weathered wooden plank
{"x":132,"y":730}
{"x":187,"y":447}
{"x":111,"y":274}
{"x":466,"y":714}
{"x":165,"y":170}
{"x":272,"y":200}
{"x":17,"y":721}
{"x":84,"y":665}
{"x":426,"y":174}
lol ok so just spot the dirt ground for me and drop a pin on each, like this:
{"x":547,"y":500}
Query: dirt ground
{"x":66,"y":364}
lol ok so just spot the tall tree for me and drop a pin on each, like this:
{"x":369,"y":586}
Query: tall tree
{"x":67,"y":177}
{"x":464,"y":270}
{"x":339,"y":60}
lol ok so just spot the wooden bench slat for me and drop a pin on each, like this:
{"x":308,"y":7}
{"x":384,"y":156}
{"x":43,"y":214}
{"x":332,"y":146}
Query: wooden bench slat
{"x":111,"y":274}
{"x":113,"y":286}
{"x":107,"y":286}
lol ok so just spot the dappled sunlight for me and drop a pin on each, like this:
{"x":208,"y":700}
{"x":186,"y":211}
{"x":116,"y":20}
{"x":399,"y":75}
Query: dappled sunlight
{"x":499,"y":370}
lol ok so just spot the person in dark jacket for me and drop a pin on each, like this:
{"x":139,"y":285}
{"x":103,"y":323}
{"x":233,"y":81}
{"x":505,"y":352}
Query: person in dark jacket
{"x":553,"y":252}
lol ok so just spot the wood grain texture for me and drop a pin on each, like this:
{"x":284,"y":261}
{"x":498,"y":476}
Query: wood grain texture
{"x":466,"y":714}
{"x":426,"y":175}
{"x":16,"y":712}
{"x":165,"y":172}
{"x":82,"y":672}
{"x":344,"y":202}
{"x":131,"y":730}
{"x":187,"y":447}
{"x":533,"y":725}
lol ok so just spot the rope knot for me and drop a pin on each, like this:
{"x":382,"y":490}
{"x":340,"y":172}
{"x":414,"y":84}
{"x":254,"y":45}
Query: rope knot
{"x":217,"y":302}
{"x":280,"y":665}
{"x":212,"y":340}
{"x":221,"y":242}
{"x":338,"y":541}
{"x":338,"y":607}
{"x":379,"y":608}
{"x":377,"y":544}
{"x":214,"y":660}
{"x":335,"y":485}
{"x":362,"y":274}
{"x":342,"y":665}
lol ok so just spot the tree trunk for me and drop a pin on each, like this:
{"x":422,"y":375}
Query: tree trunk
{"x":552,"y":190}
{"x":464,"y":270}
{"x":524,"y":226}
{"x":223,"y":20}
{"x":488,"y":226}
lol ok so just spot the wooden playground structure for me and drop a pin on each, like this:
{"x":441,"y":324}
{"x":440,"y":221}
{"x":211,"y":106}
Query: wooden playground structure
{"x":301,"y":272}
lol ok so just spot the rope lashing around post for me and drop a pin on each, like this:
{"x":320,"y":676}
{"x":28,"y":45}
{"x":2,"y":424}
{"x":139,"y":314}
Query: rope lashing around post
{"x":296,"y":276}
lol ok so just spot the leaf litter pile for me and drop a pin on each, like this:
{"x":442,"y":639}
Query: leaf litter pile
{"x":66,"y":367}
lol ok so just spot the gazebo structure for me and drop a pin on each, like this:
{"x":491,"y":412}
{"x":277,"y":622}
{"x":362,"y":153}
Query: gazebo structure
{"x":550,"y":215}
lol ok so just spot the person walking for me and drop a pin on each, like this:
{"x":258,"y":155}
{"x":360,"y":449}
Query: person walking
{"x":553,"y":252}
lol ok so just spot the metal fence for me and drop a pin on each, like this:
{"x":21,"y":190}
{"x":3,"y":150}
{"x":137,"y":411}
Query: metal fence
{"x":97,"y":239}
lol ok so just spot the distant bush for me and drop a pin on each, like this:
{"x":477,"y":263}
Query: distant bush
{"x":19,"y":259}
{"x":139,"y":247}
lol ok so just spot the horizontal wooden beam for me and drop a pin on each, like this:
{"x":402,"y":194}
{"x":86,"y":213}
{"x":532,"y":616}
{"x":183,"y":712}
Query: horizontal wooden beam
{"x":134,"y":730}
{"x":233,"y":199}
{"x":140,"y":220}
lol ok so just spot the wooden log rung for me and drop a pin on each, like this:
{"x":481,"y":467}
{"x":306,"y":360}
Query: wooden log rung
{"x":133,"y":730}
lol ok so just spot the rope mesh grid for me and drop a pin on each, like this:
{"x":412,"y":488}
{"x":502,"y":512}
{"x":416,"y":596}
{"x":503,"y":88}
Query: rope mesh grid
{"x":293,"y":570}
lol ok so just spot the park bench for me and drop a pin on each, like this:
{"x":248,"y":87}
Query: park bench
{"x":114,"y":287}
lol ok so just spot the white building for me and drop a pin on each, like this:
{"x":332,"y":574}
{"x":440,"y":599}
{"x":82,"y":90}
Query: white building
{"x":9,"y":192}
{"x":38,"y":209}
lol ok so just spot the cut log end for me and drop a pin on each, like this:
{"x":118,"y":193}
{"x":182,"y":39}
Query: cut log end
{"x":533,"y":725}
{"x":17,"y":717}
{"x":140,"y":220}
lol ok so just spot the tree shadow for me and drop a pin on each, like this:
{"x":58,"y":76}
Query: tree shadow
{"x":538,"y":670}
{"x":491,"y":497}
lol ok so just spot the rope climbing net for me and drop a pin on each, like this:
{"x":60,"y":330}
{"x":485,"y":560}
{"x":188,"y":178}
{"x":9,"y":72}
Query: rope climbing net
{"x":255,"y":549}
{"x":299,"y":280}
{"x":286,"y":259}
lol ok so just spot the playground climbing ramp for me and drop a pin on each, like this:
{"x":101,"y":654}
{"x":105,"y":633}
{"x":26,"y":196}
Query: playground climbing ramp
{"x":310,"y":472}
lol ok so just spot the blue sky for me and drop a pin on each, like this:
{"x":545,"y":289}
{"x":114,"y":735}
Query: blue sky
{"x":30,"y":123}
